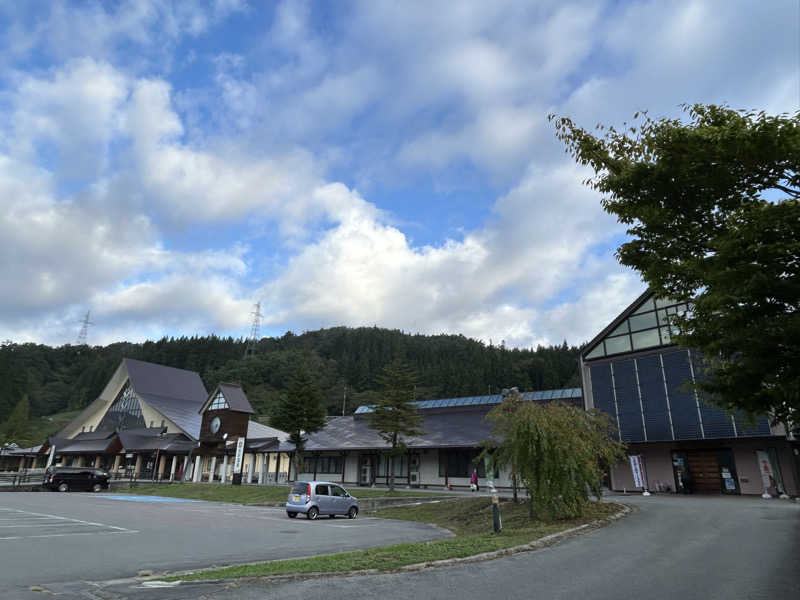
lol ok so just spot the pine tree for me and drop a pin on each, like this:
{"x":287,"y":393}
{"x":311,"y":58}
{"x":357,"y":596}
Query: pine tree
{"x":17,"y":428}
{"x":394,"y":416}
{"x":300,"y":412}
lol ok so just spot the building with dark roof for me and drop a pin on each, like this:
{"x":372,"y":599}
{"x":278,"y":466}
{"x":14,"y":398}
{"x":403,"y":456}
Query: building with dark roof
{"x":147,"y":424}
{"x":634,"y":372}
{"x":444,"y":454}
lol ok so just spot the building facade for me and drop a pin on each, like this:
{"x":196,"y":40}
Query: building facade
{"x":633,"y":372}
{"x":444,"y":454}
{"x":146,"y":425}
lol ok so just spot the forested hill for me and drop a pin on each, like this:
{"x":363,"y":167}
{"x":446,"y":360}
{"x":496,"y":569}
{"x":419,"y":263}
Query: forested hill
{"x":70,"y":377}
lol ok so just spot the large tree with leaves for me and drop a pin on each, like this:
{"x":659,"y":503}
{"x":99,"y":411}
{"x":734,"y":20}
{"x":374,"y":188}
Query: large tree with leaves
{"x":559,"y":453}
{"x":393,"y":414}
{"x":17,"y":428}
{"x":712,"y":206}
{"x":300,"y":412}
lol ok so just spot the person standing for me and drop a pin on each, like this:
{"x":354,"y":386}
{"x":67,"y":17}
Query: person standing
{"x":473,"y":480}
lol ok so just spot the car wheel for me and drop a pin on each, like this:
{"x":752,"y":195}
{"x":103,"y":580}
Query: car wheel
{"x":291,"y":515}
{"x":97,"y":487}
{"x":331,"y":516}
{"x":352,"y":513}
{"x":63,"y":487}
{"x":312,"y":513}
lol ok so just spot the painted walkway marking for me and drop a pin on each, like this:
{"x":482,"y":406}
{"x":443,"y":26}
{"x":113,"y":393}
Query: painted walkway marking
{"x":147,"y":499}
{"x":28,"y":520}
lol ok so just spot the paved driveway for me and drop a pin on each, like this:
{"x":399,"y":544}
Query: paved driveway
{"x":50,"y":538}
{"x":702,"y":548}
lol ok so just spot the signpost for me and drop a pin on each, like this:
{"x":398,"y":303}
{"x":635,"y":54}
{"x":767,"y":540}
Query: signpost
{"x":237,"y":462}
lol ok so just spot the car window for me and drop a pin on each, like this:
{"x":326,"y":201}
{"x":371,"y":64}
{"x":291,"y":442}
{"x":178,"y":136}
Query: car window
{"x":301,"y":487}
{"x":337,"y":491}
{"x":322,"y":490}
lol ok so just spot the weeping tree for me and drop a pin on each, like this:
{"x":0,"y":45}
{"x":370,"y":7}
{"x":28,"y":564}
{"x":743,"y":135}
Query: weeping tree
{"x":559,"y":453}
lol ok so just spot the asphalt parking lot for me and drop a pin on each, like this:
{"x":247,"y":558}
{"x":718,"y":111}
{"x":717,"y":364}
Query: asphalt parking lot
{"x":52,"y":538}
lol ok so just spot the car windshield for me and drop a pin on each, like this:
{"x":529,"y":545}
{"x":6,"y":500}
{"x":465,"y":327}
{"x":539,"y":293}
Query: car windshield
{"x":301,"y":487}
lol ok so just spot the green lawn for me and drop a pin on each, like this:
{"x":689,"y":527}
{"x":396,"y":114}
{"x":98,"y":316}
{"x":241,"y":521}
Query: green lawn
{"x":240,"y":494}
{"x":470,"y":519}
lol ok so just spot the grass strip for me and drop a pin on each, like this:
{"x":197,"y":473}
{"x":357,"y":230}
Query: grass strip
{"x":239,"y":494}
{"x":461,"y":516}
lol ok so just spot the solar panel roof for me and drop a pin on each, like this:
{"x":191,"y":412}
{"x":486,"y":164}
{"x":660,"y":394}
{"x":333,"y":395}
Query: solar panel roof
{"x":537,"y":396}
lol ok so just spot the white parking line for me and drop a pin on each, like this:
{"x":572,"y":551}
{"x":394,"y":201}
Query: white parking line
{"x":40,"y":520}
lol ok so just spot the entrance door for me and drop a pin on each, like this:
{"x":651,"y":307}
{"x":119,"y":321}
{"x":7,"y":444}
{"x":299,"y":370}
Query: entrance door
{"x":365,"y":471}
{"x":704,"y":472}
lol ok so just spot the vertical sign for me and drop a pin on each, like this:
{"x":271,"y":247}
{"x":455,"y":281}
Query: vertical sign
{"x":237,"y":463}
{"x":50,"y":457}
{"x":765,"y":468}
{"x":636,"y":469}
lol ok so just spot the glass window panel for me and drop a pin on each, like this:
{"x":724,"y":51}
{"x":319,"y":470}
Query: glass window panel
{"x":648,"y":305}
{"x":614,"y":345}
{"x":644,"y":321}
{"x":645,"y":339}
{"x":596,"y":353}
{"x":622,"y":328}
{"x":662,"y":302}
{"x":666,"y":338}
{"x":663,"y":318}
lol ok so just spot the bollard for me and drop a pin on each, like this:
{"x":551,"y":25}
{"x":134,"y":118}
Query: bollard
{"x":496,"y":512}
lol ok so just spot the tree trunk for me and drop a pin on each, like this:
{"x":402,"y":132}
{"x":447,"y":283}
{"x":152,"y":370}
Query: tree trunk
{"x":531,"y":516}
{"x":391,"y":471}
{"x":514,"y":485}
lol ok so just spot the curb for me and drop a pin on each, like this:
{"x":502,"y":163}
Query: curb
{"x":543,"y":542}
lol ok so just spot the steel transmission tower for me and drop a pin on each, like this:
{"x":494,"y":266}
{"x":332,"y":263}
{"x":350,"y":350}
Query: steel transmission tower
{"x":255,"y":334}
{"x":84,"y":332}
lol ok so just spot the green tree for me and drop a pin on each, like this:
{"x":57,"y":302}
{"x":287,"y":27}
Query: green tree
{"x":712,"y":209}
{"x":393,"y":414}
{"x":559,"y":453}
{"x":17,"y":428}
{"x":300,"y":412}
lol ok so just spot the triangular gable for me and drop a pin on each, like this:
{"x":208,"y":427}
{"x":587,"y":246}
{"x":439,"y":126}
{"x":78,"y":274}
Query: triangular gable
{"x":228,"y":396}
{"x":124,"y":413}
{"x":644,"y":325}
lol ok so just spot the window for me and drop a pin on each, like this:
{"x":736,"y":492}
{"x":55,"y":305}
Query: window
{"x":645,"y":339}
{"x":322,"y":490}
{"x":619,"y":344}
{"x":324,"y":464}
{"x":459,"y":463}
{"x":219,"y":402}
{"x":124,"y":412}
{"x":337,"y":491}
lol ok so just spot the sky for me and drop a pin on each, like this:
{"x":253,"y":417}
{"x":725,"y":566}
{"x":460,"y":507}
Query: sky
{"x":166,"y":166}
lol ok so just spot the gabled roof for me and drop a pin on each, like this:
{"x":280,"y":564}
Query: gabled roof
{"x":643,"y":297}
{"x":257,"y":430}
{"x":234,"y":395}
{"x":168,"y":382}
{"x":181,"y":412}
{"x":453,"y":429}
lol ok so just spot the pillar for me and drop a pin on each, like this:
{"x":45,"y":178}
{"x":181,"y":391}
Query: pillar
{"x":277,"y":465}
{"x":185,"y":475}
{"x":250,"y":468}
{"x":261,"y":468}
{"x":97,"y":461}
{"x":224,"y":476}
{"x":162,"y":465}
{"x":197,"y":474}
{"x":173,"y":467}
{"x":138,"y":468}
{"x":78,"y":461}
{"x":117,"y":460}
{"x":21,"y":463}
{"x":212,"y":469}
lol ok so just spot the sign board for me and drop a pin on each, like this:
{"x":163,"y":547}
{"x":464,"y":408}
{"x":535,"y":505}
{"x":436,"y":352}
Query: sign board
{"x":636,"y":469}
{"x":50,"y":457}
{"x":765,"y":468}
{"x":237,"y":462}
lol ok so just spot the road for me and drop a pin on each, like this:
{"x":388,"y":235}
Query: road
{"x":670,"y":547}
{"x":50,"y":539}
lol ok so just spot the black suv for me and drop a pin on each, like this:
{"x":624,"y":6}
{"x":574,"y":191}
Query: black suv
{"x":65,"y":479}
